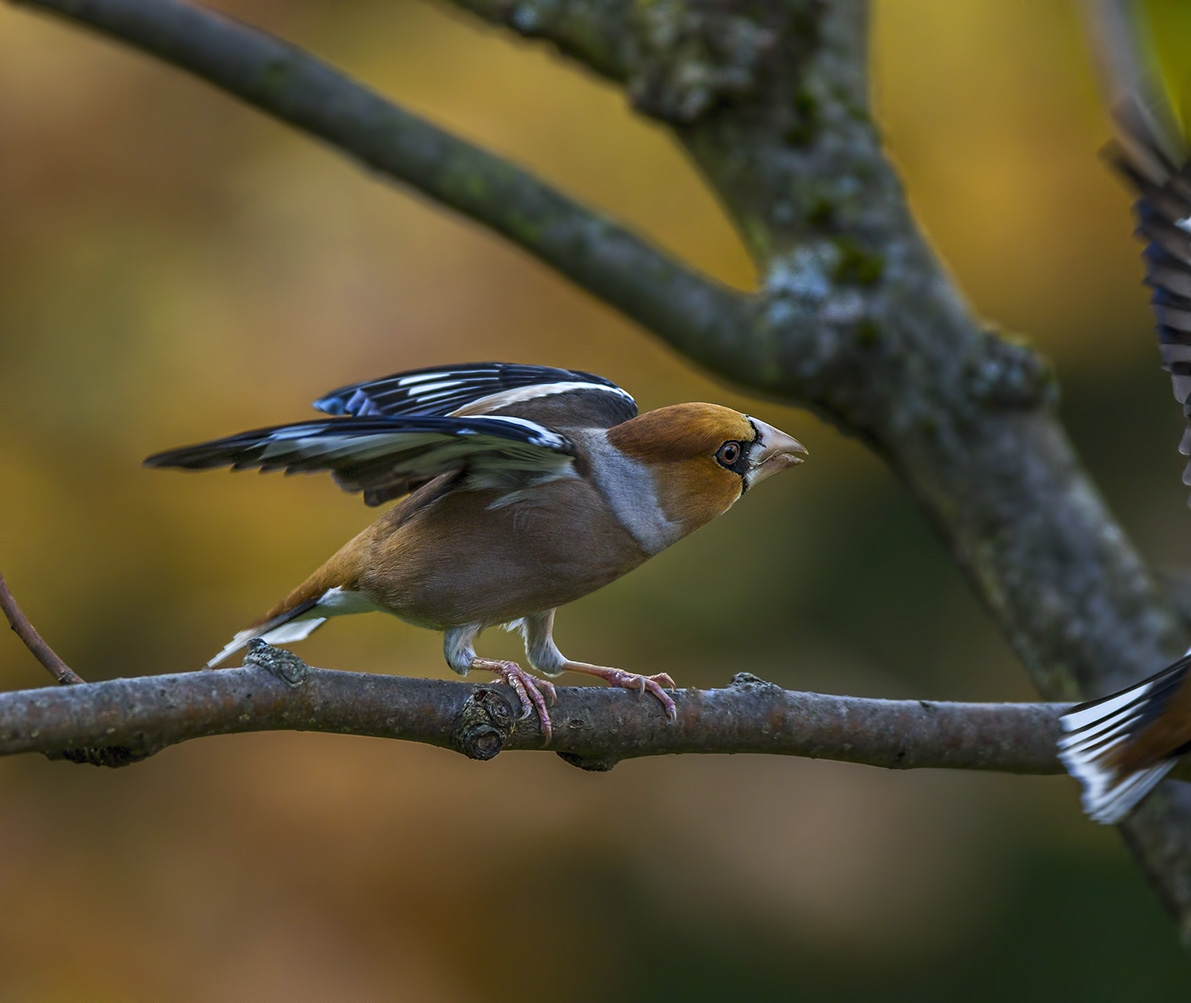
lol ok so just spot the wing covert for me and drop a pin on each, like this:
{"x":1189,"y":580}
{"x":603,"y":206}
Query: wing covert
{"x":484,"y":388}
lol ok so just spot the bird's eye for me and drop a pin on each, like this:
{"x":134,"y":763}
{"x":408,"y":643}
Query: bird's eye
{"x":728,"y":454}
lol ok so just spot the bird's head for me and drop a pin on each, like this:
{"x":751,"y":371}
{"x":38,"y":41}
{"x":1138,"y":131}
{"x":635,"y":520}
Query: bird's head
{"x":703,"y":457}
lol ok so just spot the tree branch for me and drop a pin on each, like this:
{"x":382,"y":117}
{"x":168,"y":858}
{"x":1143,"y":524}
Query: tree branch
{"x":594,"y":727}
{"x":591,"y":33}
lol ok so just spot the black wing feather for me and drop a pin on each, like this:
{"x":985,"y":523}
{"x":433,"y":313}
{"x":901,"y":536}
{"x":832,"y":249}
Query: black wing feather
{"x":480,"y":387}
{"x":386,"y":457}
{"x":1153,"y":158}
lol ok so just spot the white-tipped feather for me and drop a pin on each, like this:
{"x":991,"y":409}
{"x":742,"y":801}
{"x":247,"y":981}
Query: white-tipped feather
{"x":300,"y":624}
{"x":1101,"y":709}
{"x":1102,"y":731}
{"x":1093,"y":731}
{"x":232,"y":646}
{"x":1115,"y":803}
{"x":295,"y":630}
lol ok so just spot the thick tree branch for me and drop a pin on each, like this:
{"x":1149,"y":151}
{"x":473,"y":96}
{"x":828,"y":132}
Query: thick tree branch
{"x":592,"y":33}
{"x":856,"y":318}
{"x":594,"y":727}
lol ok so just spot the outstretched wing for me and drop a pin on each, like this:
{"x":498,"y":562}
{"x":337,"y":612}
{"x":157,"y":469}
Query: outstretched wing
{"x":1164,"y":222}
{"x":485,"y":388}
{"x":388,"y":457}
{"x":1152,"y":153}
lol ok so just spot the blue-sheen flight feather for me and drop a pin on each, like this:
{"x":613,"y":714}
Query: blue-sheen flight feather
{"x":1153,"y":156}
{"x":476,"y":388}
{"x":387,"y":457}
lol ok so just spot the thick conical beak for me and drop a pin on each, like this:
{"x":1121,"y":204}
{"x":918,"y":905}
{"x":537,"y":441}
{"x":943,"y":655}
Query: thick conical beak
{"x":772,"y":451}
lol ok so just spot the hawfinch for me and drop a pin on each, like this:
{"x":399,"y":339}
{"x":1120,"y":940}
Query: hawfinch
{"x":1120,"y":746}
{"x":522,"y":488}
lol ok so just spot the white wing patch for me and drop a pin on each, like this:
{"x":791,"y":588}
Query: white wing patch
{"x":518,"y":395}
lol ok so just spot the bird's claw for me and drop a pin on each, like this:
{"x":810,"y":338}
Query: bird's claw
{"x":634,"y":681}
{"x":531,"y":691}
{"x":650,"y":684}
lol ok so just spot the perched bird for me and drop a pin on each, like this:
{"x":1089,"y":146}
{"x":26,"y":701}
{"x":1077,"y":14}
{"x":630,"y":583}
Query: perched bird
{"x":525,"y":488}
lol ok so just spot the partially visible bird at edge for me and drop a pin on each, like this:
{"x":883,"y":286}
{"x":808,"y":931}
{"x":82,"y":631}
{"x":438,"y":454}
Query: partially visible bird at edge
{"x":1120,"y":746}
{"x":522,"y":488}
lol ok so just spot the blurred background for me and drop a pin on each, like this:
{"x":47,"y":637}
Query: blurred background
{"x":175,"y":266}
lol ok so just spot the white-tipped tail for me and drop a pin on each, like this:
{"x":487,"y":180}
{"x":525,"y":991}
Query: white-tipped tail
{"x":300,"y":622}
{"x":292,"y":630}
{"x":1094,"y":731}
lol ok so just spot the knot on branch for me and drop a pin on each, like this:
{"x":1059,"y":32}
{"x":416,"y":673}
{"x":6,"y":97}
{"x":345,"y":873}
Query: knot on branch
{"x":484,"y":723}
{"x":1005,"y":372}
{"x":692,"y":57}
{"x":285,"y":665}
{"x":747,"y":681}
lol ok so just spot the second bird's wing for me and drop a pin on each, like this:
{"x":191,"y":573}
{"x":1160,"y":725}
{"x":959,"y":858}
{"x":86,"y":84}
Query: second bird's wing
{"x":388,"y":457}
{"x":1151,"y":151}
{"x":1163,"y":185}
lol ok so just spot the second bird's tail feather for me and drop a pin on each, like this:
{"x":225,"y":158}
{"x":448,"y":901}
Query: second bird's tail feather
{"x":1100,"y":736}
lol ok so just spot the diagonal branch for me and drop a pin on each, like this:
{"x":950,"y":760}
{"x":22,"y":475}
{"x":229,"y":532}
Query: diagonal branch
{"x":596,"y":252}
{"x":33,"y":641}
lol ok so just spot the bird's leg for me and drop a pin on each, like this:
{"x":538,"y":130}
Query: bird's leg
{"x":532,"y":692}
{"x":544,"y":656}
{"x":631,"y":681}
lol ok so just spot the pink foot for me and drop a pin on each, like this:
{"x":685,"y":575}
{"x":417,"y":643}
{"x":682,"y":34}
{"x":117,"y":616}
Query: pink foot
{"x":531,"y":691}
{"x":632,"y":681}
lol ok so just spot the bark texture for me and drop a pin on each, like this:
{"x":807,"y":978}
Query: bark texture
{"x":125,"y":720}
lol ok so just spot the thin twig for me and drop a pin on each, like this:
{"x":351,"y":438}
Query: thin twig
{"x":33,"y":640}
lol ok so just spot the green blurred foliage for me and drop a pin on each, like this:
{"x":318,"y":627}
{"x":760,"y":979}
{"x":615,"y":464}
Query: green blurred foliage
{"x":173,"y":266}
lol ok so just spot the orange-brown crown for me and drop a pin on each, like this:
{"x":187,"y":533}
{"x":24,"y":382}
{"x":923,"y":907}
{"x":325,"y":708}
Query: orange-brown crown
{"x":679,"y":444}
